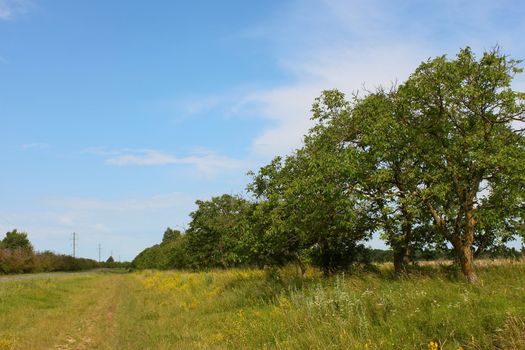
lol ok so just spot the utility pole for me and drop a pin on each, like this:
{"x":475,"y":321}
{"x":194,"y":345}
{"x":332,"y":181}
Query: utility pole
{"x":74,"y":244}
{"x":99,"y":250}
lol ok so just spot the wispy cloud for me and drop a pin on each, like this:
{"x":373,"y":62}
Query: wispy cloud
{"x":9,"y":9}
{"x":349,"y":45}
{"x":206,"y":162}
{"x":36,"y":145}
{"x":161,"y":201}
{"x":347,"y":69}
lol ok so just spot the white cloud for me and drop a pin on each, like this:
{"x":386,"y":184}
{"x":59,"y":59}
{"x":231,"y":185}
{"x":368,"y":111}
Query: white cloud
{"x":11,"y":8}
{"x":347,"y":69}
{"x":162,"y":201}
{"x":206,"y":162}
{"x":145,"y":157}
{"x":36,"y":145}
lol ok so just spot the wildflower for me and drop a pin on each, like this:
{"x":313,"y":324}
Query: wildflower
{"x":433,"y":345}
{"x":6,"y":343}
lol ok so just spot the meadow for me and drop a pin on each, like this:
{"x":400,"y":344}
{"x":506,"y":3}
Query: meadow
{"x":431,"y":308}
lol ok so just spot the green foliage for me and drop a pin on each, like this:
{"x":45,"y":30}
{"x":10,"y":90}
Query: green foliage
{"x":308,"y":196}
{"x":367,"y":139}
{"x":275,"y":240}
{"x":170,"y":254}
{"x":218,"y":231}
{"x":16,"y":240}
{"x":170,"y":234}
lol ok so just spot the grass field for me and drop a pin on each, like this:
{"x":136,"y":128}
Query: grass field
{"x":253,"y":309}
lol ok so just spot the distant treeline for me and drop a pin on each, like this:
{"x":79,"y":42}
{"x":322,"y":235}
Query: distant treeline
{"x":435,"y":166}
{"x":18,"y":256}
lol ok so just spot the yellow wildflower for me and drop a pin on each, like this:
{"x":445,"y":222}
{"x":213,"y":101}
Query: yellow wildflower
{"x":433,"y":345}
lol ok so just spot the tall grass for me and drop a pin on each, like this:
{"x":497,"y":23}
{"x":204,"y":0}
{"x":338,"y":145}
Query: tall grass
{"x":256,"y":309}
{"x":430,"y":308}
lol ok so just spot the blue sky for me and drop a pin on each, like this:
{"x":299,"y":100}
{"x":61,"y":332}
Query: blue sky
{"x":117,"y":115}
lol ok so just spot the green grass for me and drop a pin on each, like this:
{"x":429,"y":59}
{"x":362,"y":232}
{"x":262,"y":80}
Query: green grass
{"x":253,"y":309}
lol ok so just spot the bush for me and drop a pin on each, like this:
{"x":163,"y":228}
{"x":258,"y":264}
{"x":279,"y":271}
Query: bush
{"x":24,"y":261}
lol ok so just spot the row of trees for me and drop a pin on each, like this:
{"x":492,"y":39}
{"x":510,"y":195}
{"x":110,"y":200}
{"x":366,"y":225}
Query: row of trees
{"x":437,"y":162}
{"x":18,"y":256}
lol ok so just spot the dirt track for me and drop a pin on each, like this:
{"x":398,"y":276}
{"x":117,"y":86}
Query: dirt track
{"x":42,"y":275}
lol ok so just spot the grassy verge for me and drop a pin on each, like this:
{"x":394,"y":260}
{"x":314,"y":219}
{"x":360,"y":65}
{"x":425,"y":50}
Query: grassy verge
{"x":73,"y":312}
{"x":253,"y":309}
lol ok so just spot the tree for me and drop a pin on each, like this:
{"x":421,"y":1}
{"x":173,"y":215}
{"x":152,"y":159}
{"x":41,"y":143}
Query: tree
{"x":16,"y":240}
{"x":465,"y":113}
{"x":370,"y":135}
{"x":275,"y":240}
{"x":171,"y":253}
{"x":217,"y":231}
{"x":314,"y":210}
{"x":149,"y":258}
{"x":110,"y":260}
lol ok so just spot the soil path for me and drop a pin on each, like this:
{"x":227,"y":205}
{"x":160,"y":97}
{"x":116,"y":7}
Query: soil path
{"x":31,"y":276}
{"x":94,"y":326}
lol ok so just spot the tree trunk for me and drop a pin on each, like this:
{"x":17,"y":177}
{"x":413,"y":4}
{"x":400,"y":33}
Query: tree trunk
{"x":402,"y":249}
{"x":466,"y":256}
{"x":466,"y":261}
{"x":401,"y":259}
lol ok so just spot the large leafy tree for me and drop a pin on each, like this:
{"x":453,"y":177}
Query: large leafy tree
{"x":314,"y":210}
{"x":369,"y":140}
{"x":467,"y":118}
